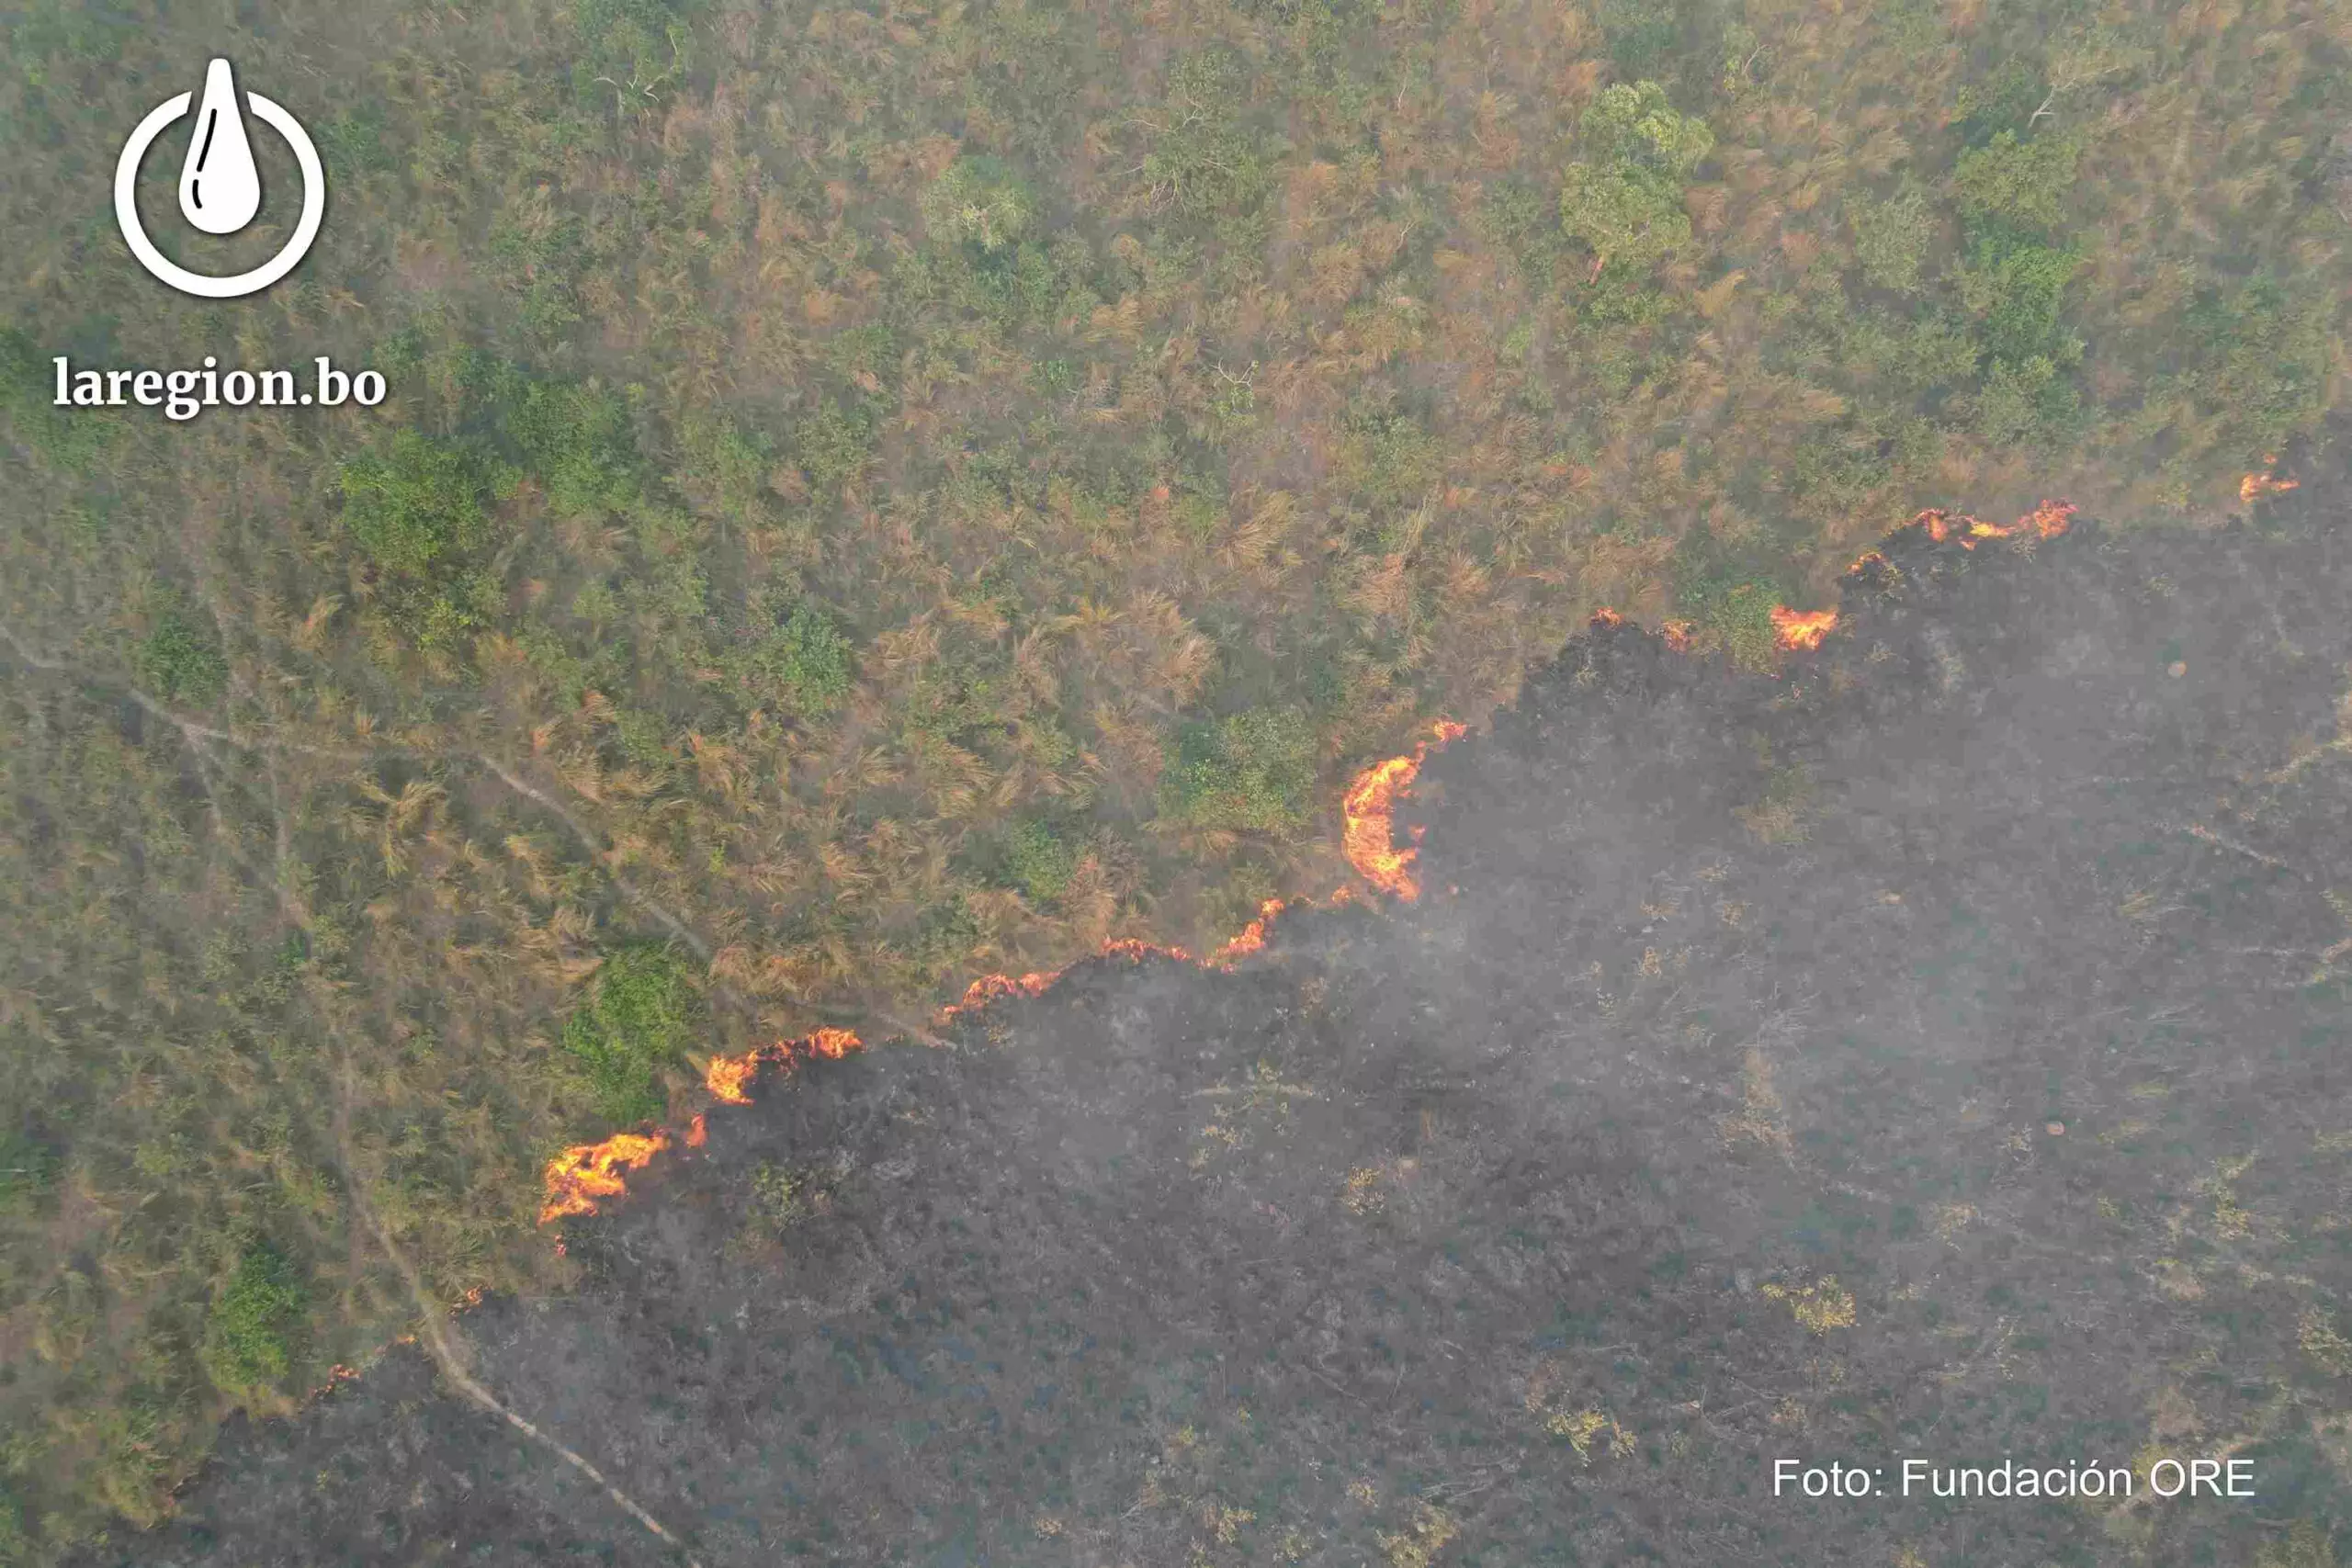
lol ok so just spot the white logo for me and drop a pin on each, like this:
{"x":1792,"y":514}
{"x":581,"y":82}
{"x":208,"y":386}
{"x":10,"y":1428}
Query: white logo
{"x":219,"y":183}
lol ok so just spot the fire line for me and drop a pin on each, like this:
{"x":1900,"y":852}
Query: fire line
{"x":582,"y":1175}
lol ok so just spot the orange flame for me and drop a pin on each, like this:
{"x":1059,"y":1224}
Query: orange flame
{"x":1369,"y":834}
{"x":2046,"y":521}
{"x":832,"y":1043}
{"x":582,"y":1174}
{"x":1369,"y":811}
{"x":1037,"y":982}
{"x":995,"y":987}
{"x":2253,"y":487}
{"x":1253,"y":938}
{"x":1800,"y":629}
{"x":726,"y":1076}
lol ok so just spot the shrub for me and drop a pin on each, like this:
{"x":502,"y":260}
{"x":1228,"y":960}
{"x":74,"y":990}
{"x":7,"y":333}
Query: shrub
{"x":803,"y":661}
{"x":180,"y":665}
{"x":2015,"y":286}
{"x":2029,"y":403}
{"x":249,"y":1335}
{"x":416,"y":502}
{"x":1254,"y":770}
{"x":2022,"y":183}
{"x":977,"y":201}
{"x":27,"y":1173}
{"x":1037,"y":860}
{"x":2002,"y":101}
{"x":638,"y":1021}
{"x":834,"y":444}
{"x":1204,"y":162}
{"x":2259,"y":358}
{"x":576,"y":440}
{"x":1891,"y":239}
{"x":1735,"y":614}
{"x":631,"y":41}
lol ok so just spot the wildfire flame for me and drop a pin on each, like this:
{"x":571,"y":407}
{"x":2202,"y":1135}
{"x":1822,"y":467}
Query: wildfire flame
{"x":2046,"y":521}
{"x":1368,"y":814}
{"x":578,"y":1177}
{"x":2253,"y":487}
{"x":581,"y":1175}
{"x":726,"y":1076}
{"x":1037,"y":982}
{"x":1802,"y":629}
{"x":1253,"y":938}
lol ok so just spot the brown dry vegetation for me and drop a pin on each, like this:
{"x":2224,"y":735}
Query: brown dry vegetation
{"x":872,"y":495}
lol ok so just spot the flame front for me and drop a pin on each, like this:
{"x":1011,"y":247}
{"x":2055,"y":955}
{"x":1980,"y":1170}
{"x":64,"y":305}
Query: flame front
{"x":1251,"y":940}
{"x":726,"y":1076}
{"x":2253,"y":487}
{"x":585,"y":1173}
{"x":995,"y":987}
{"x":1369,"y":812}
{"x":1796,"y":630}
{"x":582,"y":1175}
{"x":2046,"y":521}
{"x":577,"y":1178}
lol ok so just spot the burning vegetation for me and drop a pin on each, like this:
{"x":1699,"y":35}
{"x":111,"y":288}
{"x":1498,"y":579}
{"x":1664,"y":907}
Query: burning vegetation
{"x":2253,"y":487}
{"x":1369,"y":811}
{"x":2046,"y":521}
{"x":582,"y":1175}
{"x":1794,"y":629}
{"x":577,"y":1178}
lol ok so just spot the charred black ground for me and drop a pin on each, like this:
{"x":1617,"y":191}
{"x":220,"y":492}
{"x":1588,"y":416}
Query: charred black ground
{"x":1933,"y":1052}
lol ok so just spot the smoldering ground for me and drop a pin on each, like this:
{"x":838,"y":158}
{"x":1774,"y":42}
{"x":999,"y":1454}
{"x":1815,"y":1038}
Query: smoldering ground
{"x":1931,"y":1050}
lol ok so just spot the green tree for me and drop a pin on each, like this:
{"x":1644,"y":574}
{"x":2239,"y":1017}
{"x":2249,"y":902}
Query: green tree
{"x":1623,"y":198}
{"x":1635,"y":124}
{"x":2022,"y":183}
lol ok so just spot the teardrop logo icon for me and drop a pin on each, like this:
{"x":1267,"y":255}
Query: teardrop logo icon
{"x":221,"y":189}
{"x":220,"y":186}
